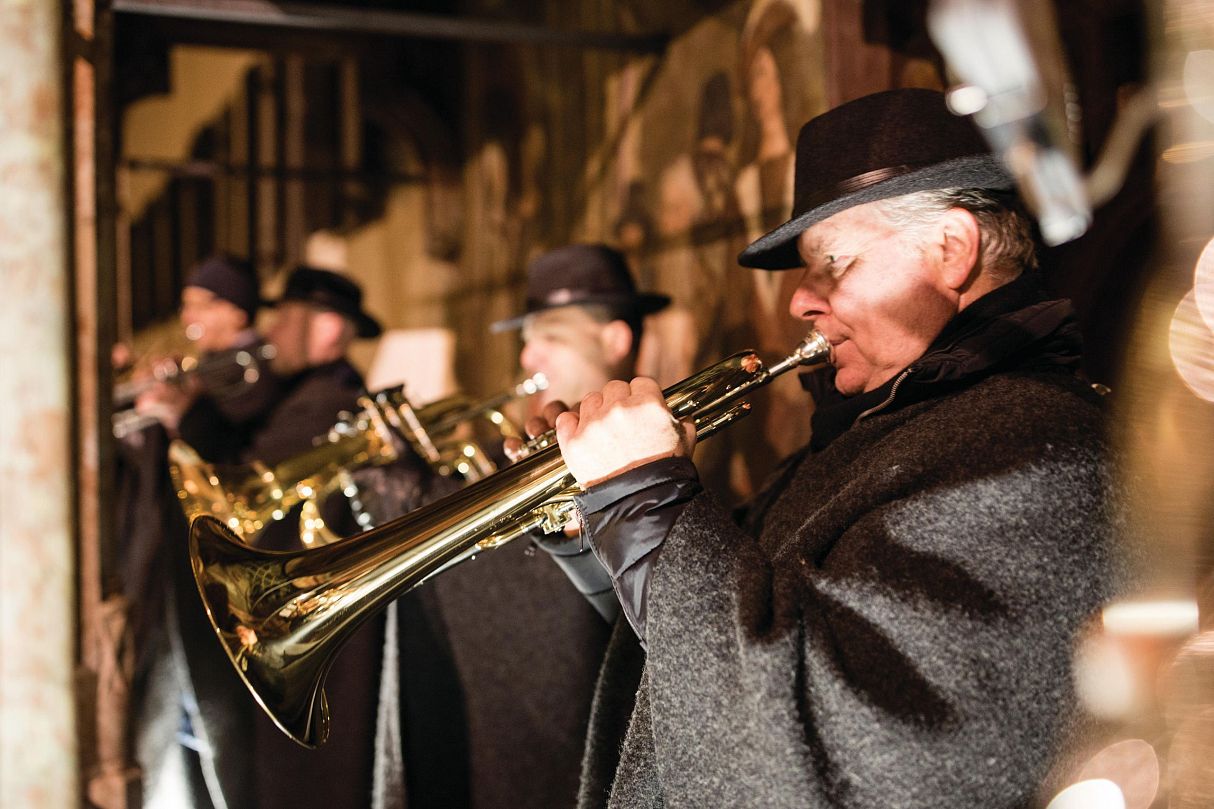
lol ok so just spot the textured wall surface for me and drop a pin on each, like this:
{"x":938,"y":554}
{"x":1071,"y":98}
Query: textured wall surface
{"x":37,"y":731}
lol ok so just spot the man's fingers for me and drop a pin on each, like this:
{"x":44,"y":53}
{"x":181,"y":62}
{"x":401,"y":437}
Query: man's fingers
{"x":688,"y":429}
{"x":566,"y":425}
{"x":513,"y":447}
{"x":616,"y":390}
{"x":551,"y":411}
{"x":536,"y":425}
{"x":645,"y":386}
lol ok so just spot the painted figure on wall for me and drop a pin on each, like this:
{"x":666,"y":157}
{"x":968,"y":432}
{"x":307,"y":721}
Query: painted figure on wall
{"x":780,"y":72}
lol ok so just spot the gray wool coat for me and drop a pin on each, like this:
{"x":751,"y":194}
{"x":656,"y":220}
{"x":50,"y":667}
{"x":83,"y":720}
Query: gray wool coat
{"x":894,"y":627}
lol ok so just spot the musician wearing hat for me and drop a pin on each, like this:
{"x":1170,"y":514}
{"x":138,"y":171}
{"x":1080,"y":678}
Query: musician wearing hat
{"x":893,"y":622}
{"x":317,"y":317}
{"x":583,"y":320}
{"x":214,"y":408}
{"x":219,"y":305}
{"x":499,"y":655}
{"x":581,"y":328}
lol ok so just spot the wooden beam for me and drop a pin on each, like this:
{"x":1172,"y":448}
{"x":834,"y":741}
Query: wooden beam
{"x":326,"y":18}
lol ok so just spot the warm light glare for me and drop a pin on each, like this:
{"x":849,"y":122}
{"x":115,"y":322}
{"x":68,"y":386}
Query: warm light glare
{"x":1104,"y":679}
{"x":966,"y":99}
{"x":1097,"y":793}
{"x":1193,"y":151}
{"x":1155,"y":618}
{"x":1133,"y":765}
{"x":1203,"y":284}
{"x":1199,"y":82}
{"x":1192,"y":346}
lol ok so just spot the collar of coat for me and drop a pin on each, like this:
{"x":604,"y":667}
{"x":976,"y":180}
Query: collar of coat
{"x":1016,"y":327}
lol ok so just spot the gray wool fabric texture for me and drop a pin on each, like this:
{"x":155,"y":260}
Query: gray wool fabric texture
{"x":893,"y":627}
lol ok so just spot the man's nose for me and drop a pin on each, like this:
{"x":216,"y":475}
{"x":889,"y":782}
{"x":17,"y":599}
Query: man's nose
{"x":529,"y":358}
{"x":808,"y":301}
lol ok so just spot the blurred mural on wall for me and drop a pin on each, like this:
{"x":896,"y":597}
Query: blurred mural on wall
{"x":445,"y":168}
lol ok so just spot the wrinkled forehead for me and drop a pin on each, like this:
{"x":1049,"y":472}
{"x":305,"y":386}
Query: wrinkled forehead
{"x":847,"y":233}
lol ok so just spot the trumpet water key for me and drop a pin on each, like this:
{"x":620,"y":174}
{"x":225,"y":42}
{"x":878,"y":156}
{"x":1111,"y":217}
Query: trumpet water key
{"x":282,"y":617}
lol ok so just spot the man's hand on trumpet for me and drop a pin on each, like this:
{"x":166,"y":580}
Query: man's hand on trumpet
{"x":168,"y":401}
{"x":621,"y":427}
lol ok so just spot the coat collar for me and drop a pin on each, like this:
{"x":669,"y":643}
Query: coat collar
{"x":1016,"y":327}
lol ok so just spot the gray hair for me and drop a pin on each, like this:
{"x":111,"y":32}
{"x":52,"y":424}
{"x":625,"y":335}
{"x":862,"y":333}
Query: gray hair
{"x":1006,"y":245}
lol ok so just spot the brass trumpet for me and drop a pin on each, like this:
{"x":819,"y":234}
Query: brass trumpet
{"x":221,"y":373}
{"x":247,"y":498}
{"x":281,"y":617}
{"x":435,"y":429}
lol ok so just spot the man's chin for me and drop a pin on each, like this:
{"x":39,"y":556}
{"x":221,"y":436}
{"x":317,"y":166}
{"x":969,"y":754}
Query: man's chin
{"x":847,"y":384}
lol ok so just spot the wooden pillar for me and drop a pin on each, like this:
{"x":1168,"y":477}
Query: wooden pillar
{"x":38,"y":754}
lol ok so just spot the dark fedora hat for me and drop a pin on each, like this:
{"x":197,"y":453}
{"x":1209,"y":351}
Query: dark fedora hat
{"x":583,"y":274}
{"x":328,"y":290}
{"x":876,"y":147}
{"x":230,"y":278}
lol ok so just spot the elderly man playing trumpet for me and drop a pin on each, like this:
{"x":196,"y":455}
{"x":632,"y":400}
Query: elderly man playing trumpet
{"x":892,"y":623}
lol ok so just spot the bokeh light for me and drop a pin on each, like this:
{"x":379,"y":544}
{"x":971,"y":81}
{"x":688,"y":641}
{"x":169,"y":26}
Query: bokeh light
{"x":1098,"y":793}
{"x":1159,"y":618}
{"x":1192,"y":346}
{"x":1133,"y":765}
{"x":1199,"y":82}
{"x":1203,"y":284}
{"x":1105,"y":678}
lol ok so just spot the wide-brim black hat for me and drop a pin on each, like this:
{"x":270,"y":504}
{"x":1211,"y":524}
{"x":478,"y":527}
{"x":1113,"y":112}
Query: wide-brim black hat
{"x":876,"y":147}
{"x":328,"y":290}
{"x":583,"y":274}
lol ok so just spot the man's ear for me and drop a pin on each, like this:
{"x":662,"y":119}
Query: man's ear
{"x":616,"y":338}
{"x":961,"y":245}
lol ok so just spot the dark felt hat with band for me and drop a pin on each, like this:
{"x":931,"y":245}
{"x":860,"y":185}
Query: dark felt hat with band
{"x":876,"y":147}
{"x":328,"y":290}
{"x":230,"y":278}
{"x":583,"y":274}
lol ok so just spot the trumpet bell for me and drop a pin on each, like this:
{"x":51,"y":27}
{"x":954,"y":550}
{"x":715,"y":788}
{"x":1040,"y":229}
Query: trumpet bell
{"x":286,"y":681}
{"x":281,"y":616}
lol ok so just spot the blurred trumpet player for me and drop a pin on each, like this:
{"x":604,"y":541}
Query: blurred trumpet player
{"x":173,"y":399}
{"x":229,"y":378}
{"x":316,"y":319}
{"x":200,"y":740}
{"x":490,"y":667}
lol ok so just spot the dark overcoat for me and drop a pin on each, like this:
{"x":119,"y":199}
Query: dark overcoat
{"x":895,"y":621}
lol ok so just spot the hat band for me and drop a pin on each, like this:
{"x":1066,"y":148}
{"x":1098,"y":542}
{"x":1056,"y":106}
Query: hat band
{"x":850,"y":186}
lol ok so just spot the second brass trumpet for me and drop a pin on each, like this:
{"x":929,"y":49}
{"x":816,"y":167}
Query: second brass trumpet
{"x":249,"y":497}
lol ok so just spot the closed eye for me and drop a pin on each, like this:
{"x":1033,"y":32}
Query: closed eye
{"x":837,"y":266}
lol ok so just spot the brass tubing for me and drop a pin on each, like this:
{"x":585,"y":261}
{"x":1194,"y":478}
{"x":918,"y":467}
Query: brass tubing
{"x":282,"y":617}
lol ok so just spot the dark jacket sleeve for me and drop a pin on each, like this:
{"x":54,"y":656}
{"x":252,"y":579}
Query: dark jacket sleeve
{"x":576,"y":559}
{"x":626,"y":520}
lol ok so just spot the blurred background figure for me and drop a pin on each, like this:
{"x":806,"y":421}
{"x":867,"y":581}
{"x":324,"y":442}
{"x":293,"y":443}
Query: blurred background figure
{"x":229,"y":381}
{"x":583,"y":321}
